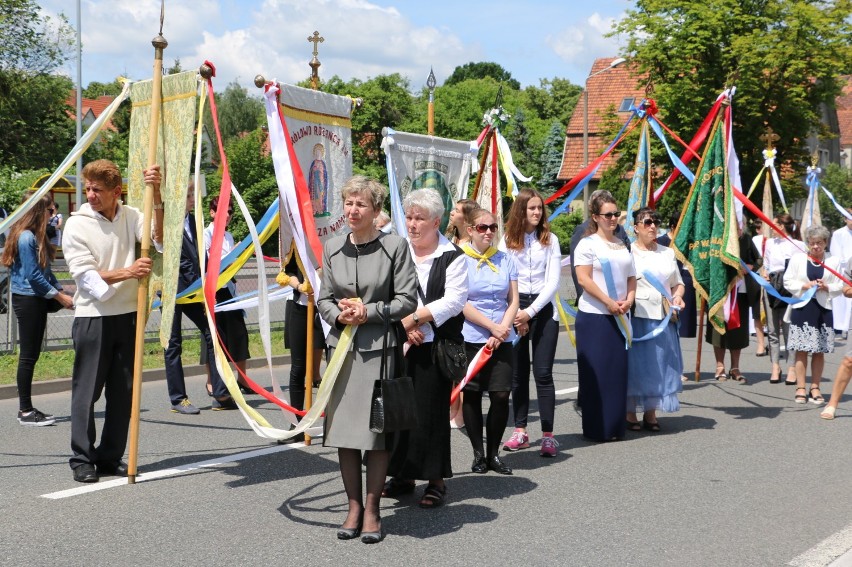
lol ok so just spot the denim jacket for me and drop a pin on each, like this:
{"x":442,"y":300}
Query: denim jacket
{"x":28,"y":277}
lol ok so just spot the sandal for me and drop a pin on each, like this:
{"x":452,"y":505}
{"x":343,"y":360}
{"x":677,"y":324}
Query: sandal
{"x":828,"y":412}
{"x":633,"y":425}
{"x":801,"y":398}
{"x":721,"y":375}
{"x":433,"y":496}
{"x":818,"y":399}
{"x":652,"y":427}
{"x":396,"y":487}
{"x":764,"y":352}
{"x":735,"y":375}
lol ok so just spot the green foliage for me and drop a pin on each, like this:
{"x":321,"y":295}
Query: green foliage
{"x":550,"y":159}
{"x":480,"y":71}
{"x":32,"y":43}
{"x":563,"y":227}
{"x":14,"y":184}
{"x":839,"y":182}
{"x":96,"y":89}
{"x":772,"y":51}
{"x":555,"y":99}
{"x":518,"y":136}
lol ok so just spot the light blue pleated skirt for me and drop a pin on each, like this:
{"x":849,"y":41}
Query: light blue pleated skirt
{"x":654,"y":369}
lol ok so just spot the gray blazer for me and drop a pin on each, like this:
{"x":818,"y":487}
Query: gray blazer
{"x":378,"y":272}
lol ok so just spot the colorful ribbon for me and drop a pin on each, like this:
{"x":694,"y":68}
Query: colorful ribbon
{"x":473,"y":369}
{"x":665,"y":292}
{"x":621,"y":318}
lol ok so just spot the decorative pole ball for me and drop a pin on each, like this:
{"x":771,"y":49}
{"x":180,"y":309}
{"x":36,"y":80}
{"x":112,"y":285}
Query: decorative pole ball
{"x":259,"y":81}
{"x":205,"y":71}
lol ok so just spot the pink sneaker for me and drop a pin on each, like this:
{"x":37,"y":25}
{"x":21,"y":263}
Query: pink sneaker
{"x":548,"y":446}
{"x":518,"y":440}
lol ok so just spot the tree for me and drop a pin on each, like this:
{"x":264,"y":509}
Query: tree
{"x":551,"y":159}
{"x":33,"y":111}
{"x":784,"y":57}
{"x":481,"y":71}
{"x":238,"y":113}
{"x":555,"y":99}
{"x":839,"y":182}
{"x":518,"y":136}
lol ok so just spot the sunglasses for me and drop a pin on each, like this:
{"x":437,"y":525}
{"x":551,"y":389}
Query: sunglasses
{"x":610,"y":216}
{"x":51,"y":211}
{"x":483,"y":228}
{"x":649,"y":222}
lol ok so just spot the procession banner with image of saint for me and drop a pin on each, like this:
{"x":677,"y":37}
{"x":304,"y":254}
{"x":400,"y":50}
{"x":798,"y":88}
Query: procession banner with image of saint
{"x":320,"y":129}
{"x":427,"y":162}
{"x":174,"y":152}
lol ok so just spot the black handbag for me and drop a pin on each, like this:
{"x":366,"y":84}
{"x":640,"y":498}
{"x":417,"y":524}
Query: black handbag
{"x":393,"y":402}
{"x":776,"y":280}
{"x":448,"y":355}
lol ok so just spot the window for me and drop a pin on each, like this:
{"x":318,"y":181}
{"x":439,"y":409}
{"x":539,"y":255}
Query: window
{"x":626,"y":104}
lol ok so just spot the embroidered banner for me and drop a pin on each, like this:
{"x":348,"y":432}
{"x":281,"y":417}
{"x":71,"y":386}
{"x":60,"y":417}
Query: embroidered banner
{"x":320,"y":130}
{"x":174,"y":151}
{"x":419,"y":162}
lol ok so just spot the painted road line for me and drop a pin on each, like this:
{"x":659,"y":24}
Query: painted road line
{"x":153,"y":475}
{"x":826,"y":551}
{"x":567,"y":391}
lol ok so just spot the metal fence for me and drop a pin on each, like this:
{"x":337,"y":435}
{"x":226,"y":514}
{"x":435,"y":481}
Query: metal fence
{"x":58,"y":333}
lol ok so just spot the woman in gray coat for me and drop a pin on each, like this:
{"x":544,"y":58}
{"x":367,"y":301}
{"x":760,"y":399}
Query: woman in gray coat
{"x":362,"y":272}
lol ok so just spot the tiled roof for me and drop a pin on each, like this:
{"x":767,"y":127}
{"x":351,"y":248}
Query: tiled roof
{"x":606,"y":90}
{"x":844,"y":112}
{"x":95,"y":105}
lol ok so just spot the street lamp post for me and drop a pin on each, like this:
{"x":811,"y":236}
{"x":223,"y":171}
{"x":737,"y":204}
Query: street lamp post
{"x":615,"y":63}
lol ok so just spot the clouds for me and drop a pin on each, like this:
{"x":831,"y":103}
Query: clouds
{"x":579,"y":45}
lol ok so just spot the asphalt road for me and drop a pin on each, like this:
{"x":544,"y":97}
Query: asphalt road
{"x":740,"y":476}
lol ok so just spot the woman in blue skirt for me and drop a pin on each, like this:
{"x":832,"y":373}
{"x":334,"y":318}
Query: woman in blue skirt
{"x":654,"y":366}
{"x":605,"y":271}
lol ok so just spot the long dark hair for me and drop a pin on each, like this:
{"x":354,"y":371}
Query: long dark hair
{"x":516,"y":223}
{"x":468,"y":206}
{"x":790,"y":225}
{"x":35,"y":221}
{"x":595,"y":205}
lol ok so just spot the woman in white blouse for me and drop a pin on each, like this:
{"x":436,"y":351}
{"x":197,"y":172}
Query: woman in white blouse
{"x":654,"y":366}
{"x":535,"y":251}
{"x":601,"y":352}
{"x":777,"y":252}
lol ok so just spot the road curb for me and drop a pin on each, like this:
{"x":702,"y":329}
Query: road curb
{"x":9,"y":391}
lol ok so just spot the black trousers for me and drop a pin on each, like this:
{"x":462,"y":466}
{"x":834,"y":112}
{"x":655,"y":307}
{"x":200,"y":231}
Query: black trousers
{"x":174,"y":365}
{"x":103,"y":361}
{"x":544,"y":331}
{"x":296,"y":339}
{"x":31,"y":312}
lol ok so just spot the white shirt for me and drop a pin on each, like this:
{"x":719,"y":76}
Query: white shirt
{"x":841,"y":244}
{"x":778,"y":251}
{"x":588,"y":253}
{"x":539,"y":269}
{"x":661,"y":264}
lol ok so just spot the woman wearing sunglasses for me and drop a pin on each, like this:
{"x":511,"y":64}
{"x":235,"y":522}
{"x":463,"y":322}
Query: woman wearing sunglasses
{"x":606,"y":273}
{"x":654,"y":366}
{"x":492,"y":304}
{"x":535,"y":251}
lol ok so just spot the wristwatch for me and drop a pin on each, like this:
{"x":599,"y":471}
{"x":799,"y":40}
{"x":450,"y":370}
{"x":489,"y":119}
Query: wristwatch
{"x":415,"y":318}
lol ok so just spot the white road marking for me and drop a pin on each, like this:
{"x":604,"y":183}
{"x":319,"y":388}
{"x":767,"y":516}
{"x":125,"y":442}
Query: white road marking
{"x":95,"y":486}
{"x":103,"y":485}
{"x":826,"y":551}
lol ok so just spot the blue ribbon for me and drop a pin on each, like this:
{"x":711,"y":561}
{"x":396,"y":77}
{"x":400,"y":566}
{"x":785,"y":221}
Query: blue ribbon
{"x":846,"y":214}
{"x":397,"y":214}
{"x":809,"y":294}
{"x":675,"y":160}
{"x":623,"y":322}
{"x":665,"y":292}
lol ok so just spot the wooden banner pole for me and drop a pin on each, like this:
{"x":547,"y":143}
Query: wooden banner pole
{"x":700,"y":342}
{"x":159,"y":44}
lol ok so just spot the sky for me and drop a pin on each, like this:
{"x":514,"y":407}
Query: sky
{"x":532,"y":39}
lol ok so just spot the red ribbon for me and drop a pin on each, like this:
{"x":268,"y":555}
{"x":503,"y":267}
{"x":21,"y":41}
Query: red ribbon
{"x":494,"y":174}
{"x":486,"y":354}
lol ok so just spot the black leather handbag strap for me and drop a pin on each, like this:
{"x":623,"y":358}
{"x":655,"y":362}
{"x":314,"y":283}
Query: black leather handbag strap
{"x":383,"y":370}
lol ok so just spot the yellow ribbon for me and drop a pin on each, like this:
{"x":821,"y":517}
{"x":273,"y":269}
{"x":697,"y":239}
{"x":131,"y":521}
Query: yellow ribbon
{"x":483,"y":258}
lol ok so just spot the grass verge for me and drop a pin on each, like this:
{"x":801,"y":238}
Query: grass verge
{"x":59,"y":363}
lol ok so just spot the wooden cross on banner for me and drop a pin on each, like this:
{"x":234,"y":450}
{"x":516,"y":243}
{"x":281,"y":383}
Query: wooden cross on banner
{"x":770,"y":137}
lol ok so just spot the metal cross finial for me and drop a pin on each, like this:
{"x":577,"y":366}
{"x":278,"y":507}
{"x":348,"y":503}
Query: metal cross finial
{"x":770,"y":137}
{"x":315,"y":39}
{"x":430,"y":81}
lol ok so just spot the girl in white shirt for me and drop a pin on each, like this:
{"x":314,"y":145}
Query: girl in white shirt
{"x":535,"y":251}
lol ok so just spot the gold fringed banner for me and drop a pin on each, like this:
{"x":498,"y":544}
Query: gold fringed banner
{"x":174,"y":151}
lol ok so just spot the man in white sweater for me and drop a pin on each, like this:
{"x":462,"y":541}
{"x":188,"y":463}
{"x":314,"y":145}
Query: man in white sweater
{"x":99,"y":243}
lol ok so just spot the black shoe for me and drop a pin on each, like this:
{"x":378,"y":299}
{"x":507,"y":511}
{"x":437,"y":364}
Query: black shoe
{"x":498,"y":466}
{"x":86,"y":473}
{"x":223,"y":405}
{"x":479,"y":466}
{"x":373,"y":537}
{"x":349,"y":533}
{"x":112,"y":469}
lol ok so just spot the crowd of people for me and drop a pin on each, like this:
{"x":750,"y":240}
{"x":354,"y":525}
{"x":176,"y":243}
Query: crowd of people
{"x":413,"y":299}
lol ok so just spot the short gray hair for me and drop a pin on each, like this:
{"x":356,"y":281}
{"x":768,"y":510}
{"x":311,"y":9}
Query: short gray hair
{"x":367,"y":187}
{"x":817,"y":232}
{"x":426,"y":199}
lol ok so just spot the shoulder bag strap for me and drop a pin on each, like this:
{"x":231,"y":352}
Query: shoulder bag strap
{"x":383,"y":370}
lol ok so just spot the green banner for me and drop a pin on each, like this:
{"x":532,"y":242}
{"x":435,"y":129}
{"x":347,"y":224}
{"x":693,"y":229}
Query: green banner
{"x":706,"y":240}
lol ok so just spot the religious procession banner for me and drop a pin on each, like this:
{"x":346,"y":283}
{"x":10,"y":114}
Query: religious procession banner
{"x":174,"y":151}
{"x":706,"y":239}
{"x":640,"y":185}
{"x":420,"y":162}
{"x":320,"y":129}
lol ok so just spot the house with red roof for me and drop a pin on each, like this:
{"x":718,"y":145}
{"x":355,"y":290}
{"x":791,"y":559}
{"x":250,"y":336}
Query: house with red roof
{"x":91,"y":109}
